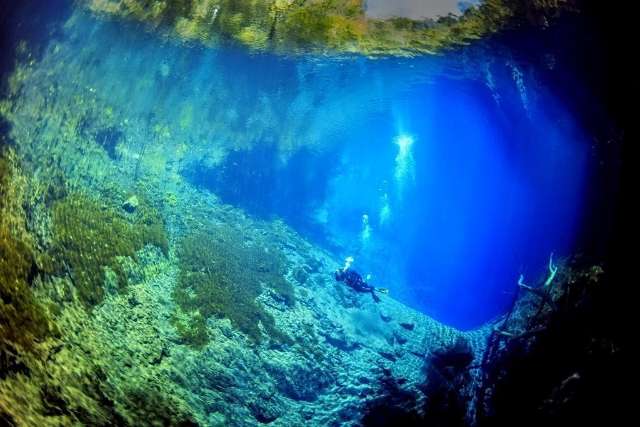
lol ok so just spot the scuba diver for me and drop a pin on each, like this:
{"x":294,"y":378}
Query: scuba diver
{"x":355,"y":281}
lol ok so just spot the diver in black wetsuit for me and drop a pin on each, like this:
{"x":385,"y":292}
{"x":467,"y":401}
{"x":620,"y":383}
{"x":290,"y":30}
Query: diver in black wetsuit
{"x":352,"y":279}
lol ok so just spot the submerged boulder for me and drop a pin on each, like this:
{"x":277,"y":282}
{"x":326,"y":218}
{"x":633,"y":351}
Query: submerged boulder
{"x":266,"y":409}
{"x":131,"y":204}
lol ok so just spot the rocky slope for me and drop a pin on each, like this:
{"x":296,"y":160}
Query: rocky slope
{"x":342,"y":344}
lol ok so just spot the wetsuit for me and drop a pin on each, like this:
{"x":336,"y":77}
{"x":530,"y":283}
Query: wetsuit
{"x":354,"y":280}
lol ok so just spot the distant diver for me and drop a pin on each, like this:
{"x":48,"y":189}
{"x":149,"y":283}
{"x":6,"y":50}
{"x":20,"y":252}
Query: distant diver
{"x":355,"y":281}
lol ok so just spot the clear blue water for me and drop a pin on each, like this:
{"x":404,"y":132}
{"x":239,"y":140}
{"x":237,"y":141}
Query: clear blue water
{"x":444,"y":178}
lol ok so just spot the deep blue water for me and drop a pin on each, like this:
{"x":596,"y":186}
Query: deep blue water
{"x":488,"y":188}
{"x":444,"y":178}
{"x":487,"y":191}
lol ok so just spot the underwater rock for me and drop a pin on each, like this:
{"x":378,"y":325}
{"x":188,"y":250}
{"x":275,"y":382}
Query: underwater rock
{"x":440,"y":400}
{"x":131,"y":204}
{"x":551,"y":360}
{"x":302,"y":274}
{"x":341,"y":341}
{"x":453,"y":358}
{"x":447,"y":388}
{"x":400,"y":339}
{"x":314,"y":265}
{"x":388,"y":355}
{"x":408,"y":325}
{"x":396,"y":405}
{"x":265,"y":409}
{"x":299,"y":382}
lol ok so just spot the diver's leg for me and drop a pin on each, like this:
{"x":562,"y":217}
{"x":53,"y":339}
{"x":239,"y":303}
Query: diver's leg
{"x":376,"y":298}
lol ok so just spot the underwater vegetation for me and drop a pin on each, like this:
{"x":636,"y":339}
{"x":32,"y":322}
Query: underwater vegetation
{"x":340,"y":25}
{"x":221,"y":275}
{"x":53,"y":354}
{"x":90,"y":237}
{"x":23,"y":320}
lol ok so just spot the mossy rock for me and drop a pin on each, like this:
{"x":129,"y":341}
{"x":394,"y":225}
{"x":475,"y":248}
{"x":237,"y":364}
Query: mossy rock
{"x":23,"y":321}
{"x":221,"y":275}
{"x":192,"y":328}
{"x":151,"y":226}
{"x":152,"y":406}
{"x":5,"y":175}
{"x":54,"y":369}
{"x":89,"y":236}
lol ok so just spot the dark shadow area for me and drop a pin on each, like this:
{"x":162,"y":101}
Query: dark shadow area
{"x":5,"y":127}
{"x":446,"y":393}
{"x":593,"y":74}
{"x":35,"y":23}
{"x":395,"y":406}
{"x":585,"y":60}
{"x":108,"y":139}
{"x":559,"y":362}
{"x":448,"y":388}
{"x":556,"y":359}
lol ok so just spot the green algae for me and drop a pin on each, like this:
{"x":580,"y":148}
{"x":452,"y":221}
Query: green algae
{"x":79,"y":378}
{"x":23,"y":320}
{"x":192,"y":328}
{"x":151,"y":226}
{"x":59,"y":364}
{"x":221,"y":276}
{"x":90,"y":237}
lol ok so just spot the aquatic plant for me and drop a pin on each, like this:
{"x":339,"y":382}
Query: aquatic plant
{"x":192,"y":328}
{"x":58,"y":365}
{"x":78,"y":377}
{"x":221,"y":275}
{"x":90,"y":236}
{"x":150,"y":225}
{"x":22,"y":318}
{"x":23,"y":321}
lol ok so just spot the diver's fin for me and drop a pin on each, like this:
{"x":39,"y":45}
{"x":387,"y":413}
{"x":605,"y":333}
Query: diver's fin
{"x":382,"y":290}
